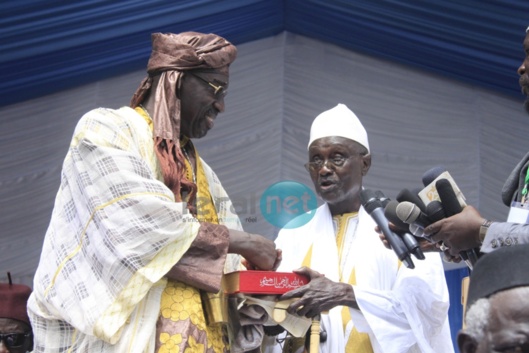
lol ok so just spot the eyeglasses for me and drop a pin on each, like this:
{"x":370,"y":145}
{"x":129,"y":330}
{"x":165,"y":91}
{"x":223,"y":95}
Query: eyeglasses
{"x":14,"y":340}
{"x":334,"y":162}
{"x":317,"y":165}
{"x":219,"y":90}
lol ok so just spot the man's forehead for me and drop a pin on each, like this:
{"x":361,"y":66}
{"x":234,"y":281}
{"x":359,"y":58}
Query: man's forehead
{"x":333,"y":141}
{"x":213,"y":74}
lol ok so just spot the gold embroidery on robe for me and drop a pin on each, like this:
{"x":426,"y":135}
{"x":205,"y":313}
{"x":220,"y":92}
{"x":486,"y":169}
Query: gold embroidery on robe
{"x":357,"y":342}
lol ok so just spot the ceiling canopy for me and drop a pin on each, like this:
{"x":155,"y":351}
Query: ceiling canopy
{"x":48,"y":46}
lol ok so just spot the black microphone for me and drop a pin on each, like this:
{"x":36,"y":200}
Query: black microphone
{"x":382,"y":198}
{"x":374,"y":207}
{"x":451,"y":207}
{"x":403,"y":230}
{"x":390,"y":211}
{"x":435,"y":211}
{"x":407,"y":195}
{"x":448,"y":197}
{"x":430,"y":175}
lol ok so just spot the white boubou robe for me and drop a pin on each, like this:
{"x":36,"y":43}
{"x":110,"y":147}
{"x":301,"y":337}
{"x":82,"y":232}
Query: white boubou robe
{"x":401,"y":309}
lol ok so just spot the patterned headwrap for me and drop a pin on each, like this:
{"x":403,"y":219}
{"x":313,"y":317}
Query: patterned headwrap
{"x":171,"y":55}
{"x":13,"y":300}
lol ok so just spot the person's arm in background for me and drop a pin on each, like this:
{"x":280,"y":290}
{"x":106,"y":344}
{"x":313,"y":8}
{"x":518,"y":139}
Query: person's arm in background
{"x":468,"y":230}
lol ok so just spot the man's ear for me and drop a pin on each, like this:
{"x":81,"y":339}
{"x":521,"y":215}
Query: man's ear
{"x":366,"y":163}
{"x":466,"y":343}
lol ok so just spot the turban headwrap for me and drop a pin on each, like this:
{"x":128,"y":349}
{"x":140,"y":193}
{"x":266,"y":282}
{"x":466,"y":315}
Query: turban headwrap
{"x":13,"y":301}
{"x":173,"y":54}
{"x":339,"y":121}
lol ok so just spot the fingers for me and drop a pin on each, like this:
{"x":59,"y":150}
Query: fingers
{"x":279,"y":258}
{"x":295,"y":293}
{"x":384,"y":241}
{"x":305,"y":271}
{"x":247,"y":264}
{"x":432,"y":230}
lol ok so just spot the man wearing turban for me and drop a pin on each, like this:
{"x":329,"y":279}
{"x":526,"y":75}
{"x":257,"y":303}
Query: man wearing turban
{"x":15,"y":327}
{"x":142,"y":230}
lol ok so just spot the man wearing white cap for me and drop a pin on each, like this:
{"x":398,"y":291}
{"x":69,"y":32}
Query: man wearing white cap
{"x":368,"y":301}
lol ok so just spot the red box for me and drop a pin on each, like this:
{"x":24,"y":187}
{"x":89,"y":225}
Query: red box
{"x":262,"y":282}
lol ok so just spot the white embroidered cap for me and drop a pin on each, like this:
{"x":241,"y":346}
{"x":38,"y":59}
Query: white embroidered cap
{"x":339,"y":121}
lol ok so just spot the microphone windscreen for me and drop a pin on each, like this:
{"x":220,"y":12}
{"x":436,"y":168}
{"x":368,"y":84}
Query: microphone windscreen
{"x":435,"y":211}
{"x":407,"y":195}
{"x":431,"y":174}
{"x":390,"y":211}
{"x":448,"y":197}
{"x":410,"y":213}
{"x":407,"y":212}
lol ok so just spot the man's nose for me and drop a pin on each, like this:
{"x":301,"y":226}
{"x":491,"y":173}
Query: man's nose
{"x":521,"y":69}
{"x":219,"y":104}
{"x":326,"y":168}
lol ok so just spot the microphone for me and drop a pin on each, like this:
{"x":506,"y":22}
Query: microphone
{"x":452,"y":206}
{"x":407,"y":195}
{"x":403,"y":230}
{"x":390,"y":211}
{"x":374,"y":207}
{"x":430,"y":175}
{"x":382,"y":198}
{"x":448,"y":197}
{"x":429,"y":193}
{"x":435,"y":211}
{"x":409,"y":213}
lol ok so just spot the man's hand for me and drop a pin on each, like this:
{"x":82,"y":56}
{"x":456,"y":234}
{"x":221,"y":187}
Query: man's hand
{"x":320,"y":294}
{"x":259,"y":252}
{"x":459,"y":232}
{"x":252,"y":267}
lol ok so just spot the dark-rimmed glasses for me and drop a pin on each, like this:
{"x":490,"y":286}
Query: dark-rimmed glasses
{"x":316,"y":166}
{"x":14,"y":340}
{"x":334,"y":162}
{"x":219,"y":90}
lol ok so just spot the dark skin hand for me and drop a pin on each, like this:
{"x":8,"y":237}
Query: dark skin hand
{"x":459,"y":232}
{"x":252,"y":267}
{"x":258,"y":251}
{"x":320,"y":294}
